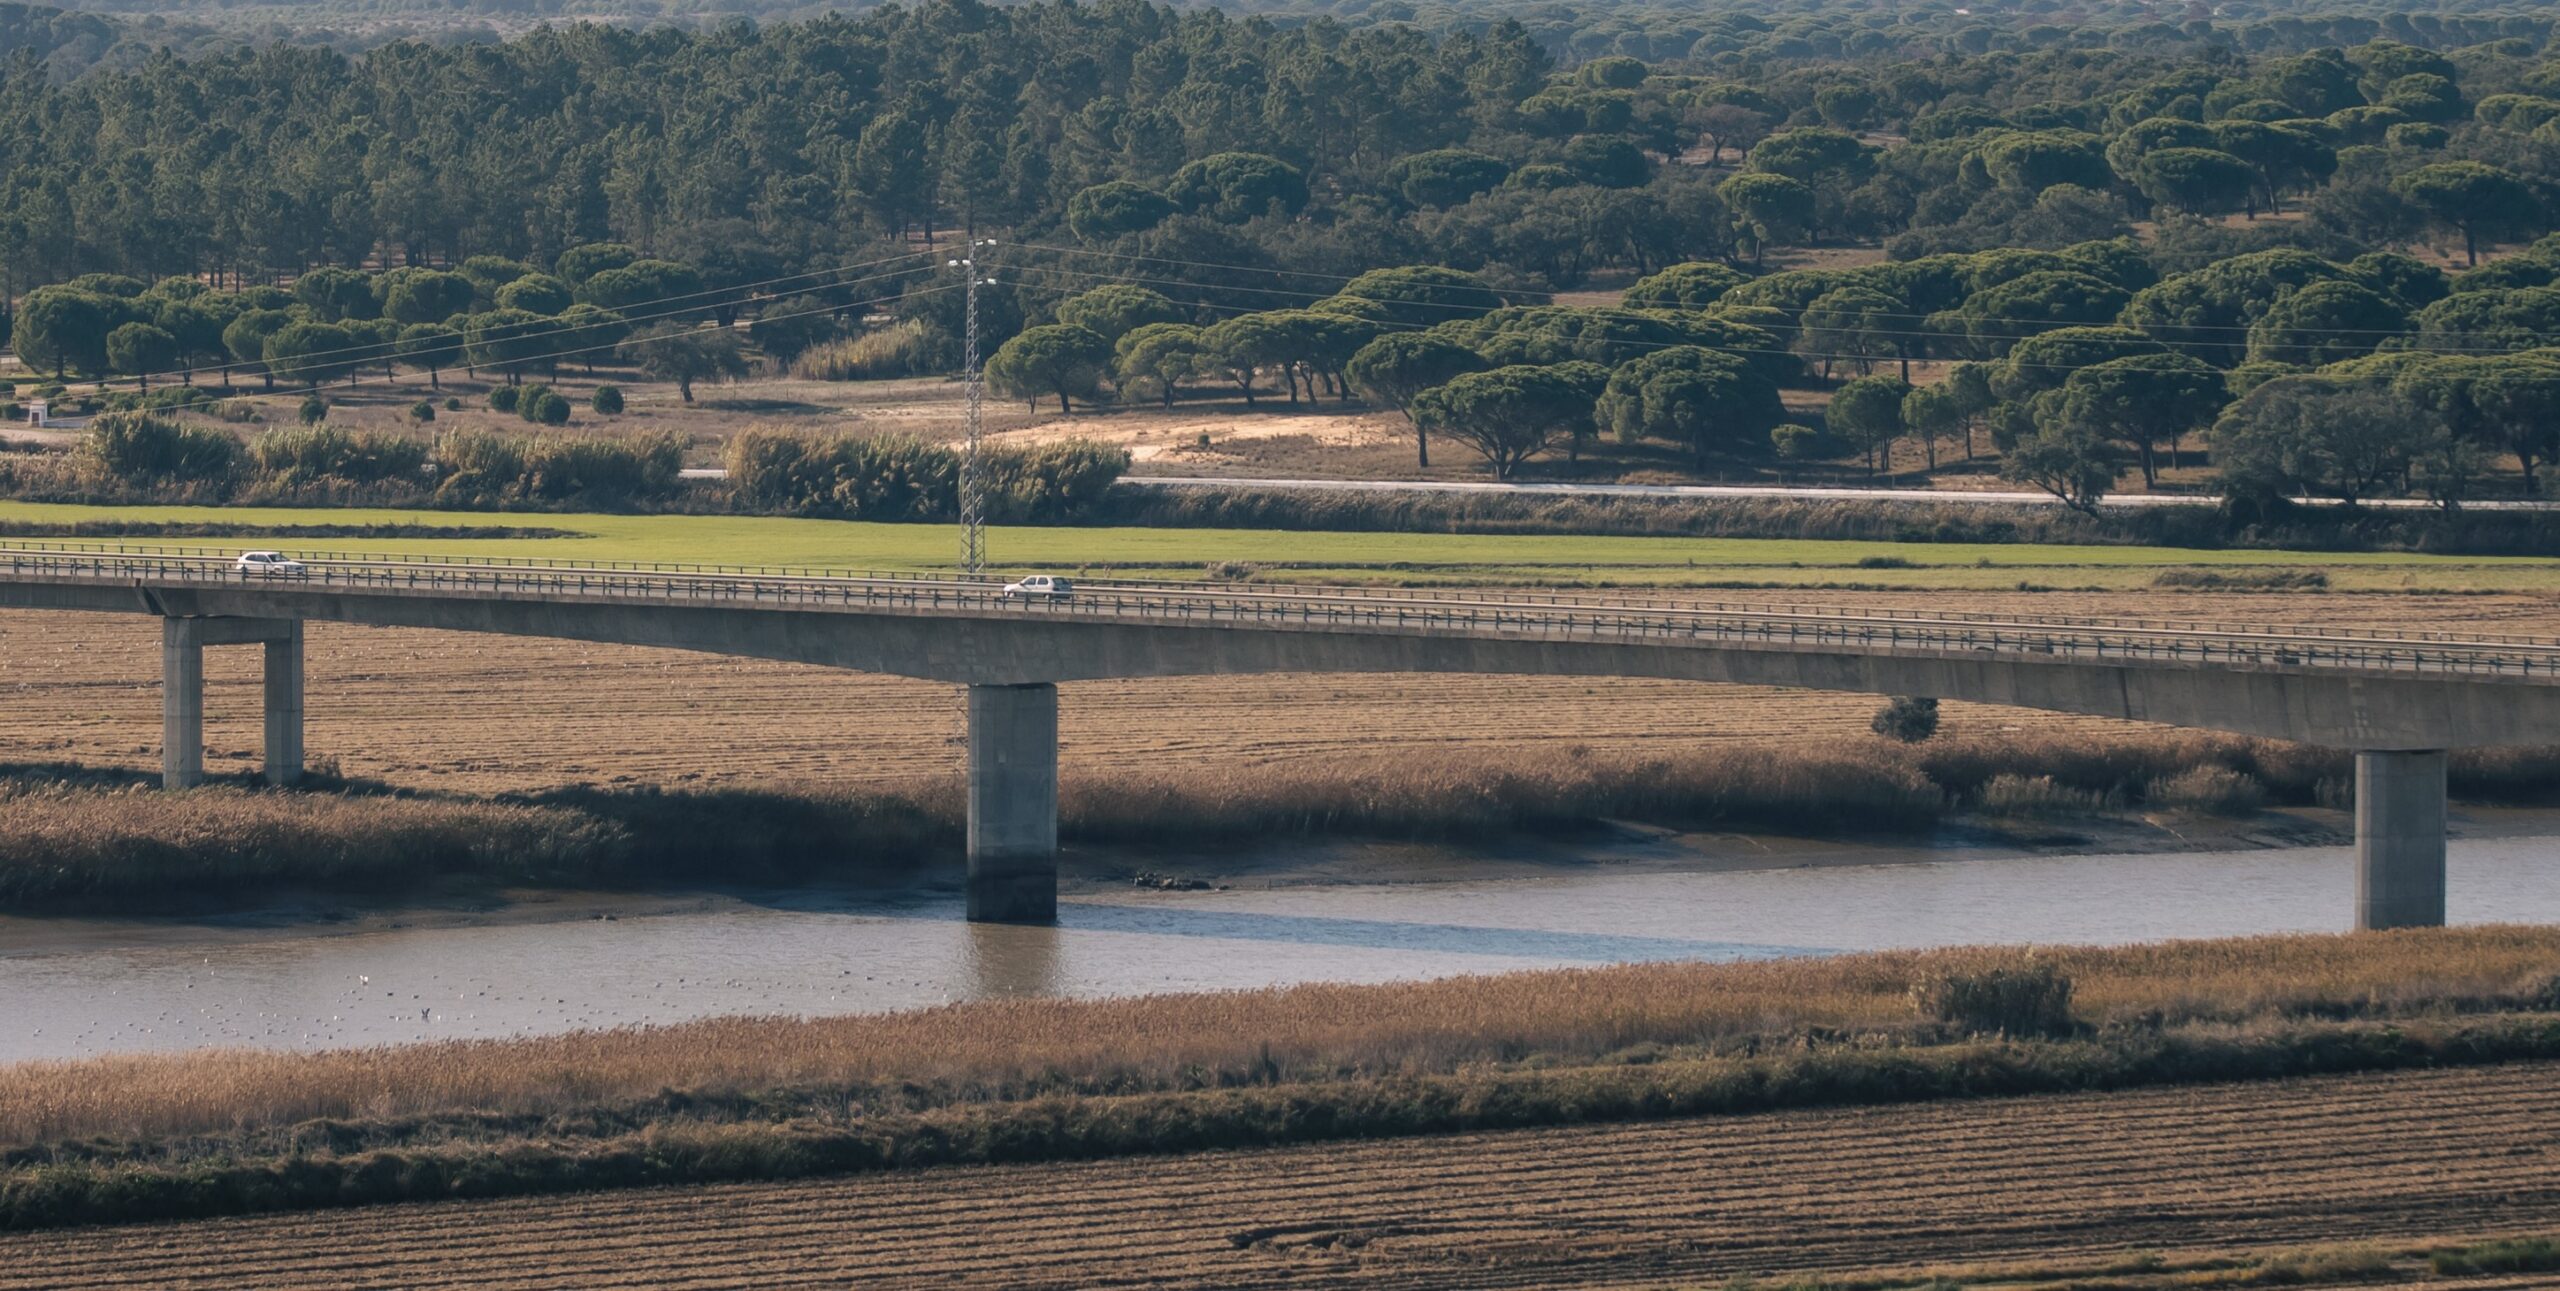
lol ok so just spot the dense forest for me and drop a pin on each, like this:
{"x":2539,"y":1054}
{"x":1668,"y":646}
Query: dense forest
{"x":1574,"y":29}
{"x":799,"y":143}
{"x":2191,"y":212}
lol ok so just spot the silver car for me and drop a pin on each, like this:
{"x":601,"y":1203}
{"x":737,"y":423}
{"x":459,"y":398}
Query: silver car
{"x":268,"y":564}
{"x":1041,"y":585}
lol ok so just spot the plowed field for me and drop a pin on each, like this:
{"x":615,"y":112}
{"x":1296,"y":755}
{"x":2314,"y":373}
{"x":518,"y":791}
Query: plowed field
{"x":455,"y":711}
{"x":2403,"y":1158}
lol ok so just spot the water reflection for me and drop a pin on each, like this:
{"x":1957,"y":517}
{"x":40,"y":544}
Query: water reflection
{"x":1436,"y":938}
{"x":1012,"y":959}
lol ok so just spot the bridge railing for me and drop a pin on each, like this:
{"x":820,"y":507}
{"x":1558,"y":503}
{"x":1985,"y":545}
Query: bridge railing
{"x":1605,"y":600}
{"x":1901,"y":632}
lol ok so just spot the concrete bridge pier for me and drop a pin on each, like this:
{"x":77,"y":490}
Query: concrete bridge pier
{"x":182,"y":644}
{"x":2400,"y":825}
{"x":181,"y":703}
{"x":1013,"y":804}
{"x":284,"y":704}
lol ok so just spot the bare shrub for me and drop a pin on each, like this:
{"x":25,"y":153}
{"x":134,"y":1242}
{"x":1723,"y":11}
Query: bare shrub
{"x":2011,"y":794}
{"x":1910,"y":719}
{"x":2218,"y":790}
{"x":910,"y":348}
{"x":2242,"y":580}
{"x":2031,"y":997}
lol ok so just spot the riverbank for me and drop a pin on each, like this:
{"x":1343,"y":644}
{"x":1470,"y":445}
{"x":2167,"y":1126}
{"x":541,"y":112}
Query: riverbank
{"x":1336,"y":867}
{"x":219,"y":1132}
{"x":84,"y":841}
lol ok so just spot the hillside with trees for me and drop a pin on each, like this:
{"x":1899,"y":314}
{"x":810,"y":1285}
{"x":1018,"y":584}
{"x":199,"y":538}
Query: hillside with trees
{"x":2089,"y":252}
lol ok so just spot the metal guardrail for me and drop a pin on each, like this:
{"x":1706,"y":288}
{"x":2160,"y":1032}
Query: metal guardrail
{"x":224,"y":555}
{"x":1469,"y":614}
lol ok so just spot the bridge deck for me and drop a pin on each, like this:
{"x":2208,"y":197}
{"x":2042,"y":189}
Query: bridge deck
{"x":134,"y":581}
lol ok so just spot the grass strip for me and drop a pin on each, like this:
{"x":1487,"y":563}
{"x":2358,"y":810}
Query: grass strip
{"x":171,"y":529}
{"x":682,"y":1151}
{"x":844,"y":544}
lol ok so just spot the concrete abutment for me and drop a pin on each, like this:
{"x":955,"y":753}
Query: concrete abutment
{"x":2400,"y":839}
{"x":182,"y":645}
{"x":1013,"y":804}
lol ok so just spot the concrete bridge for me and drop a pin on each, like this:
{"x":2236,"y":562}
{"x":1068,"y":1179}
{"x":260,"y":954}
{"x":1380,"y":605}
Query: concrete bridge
{"x":2398,"y":700}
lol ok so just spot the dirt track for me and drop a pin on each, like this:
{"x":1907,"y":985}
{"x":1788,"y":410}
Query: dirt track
{"x":2397,"y":1158}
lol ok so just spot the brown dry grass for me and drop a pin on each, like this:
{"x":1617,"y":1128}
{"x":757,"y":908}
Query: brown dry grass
{"x":2123,"y":1190}
{"x":1009,"y":1048}
{"x":144,"y":841}
{"x":486,"y":713}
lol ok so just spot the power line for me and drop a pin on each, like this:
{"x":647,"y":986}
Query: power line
{"x":1631,"y":344}
{"x":1795,"y":313}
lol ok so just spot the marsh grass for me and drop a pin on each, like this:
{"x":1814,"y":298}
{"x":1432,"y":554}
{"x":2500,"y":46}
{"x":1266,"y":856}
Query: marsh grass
{"x":95,"y":842}
{"x":2040,"y":797}
{"x":1015,"y":1049}
{"x":2513,"y":1255}
{"x":70,"y":838}
{"x":2030,"y":997}
{"x":796,"y":1134}
{"x":2212,"y":789}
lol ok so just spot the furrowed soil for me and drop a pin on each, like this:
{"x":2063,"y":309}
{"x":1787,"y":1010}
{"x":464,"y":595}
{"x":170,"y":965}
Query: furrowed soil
{"x":464,"y":712}
{"x":2073,"y":1181}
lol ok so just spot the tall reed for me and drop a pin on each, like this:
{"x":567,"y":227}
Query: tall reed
{"x":1021,"y":1048}
{"x":66,"y":840}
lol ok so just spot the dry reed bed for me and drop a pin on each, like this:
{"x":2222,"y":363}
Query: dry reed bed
{"x":1003,"y":1049}
{"x":70,"y":838}
{"x":2069,"y":1187}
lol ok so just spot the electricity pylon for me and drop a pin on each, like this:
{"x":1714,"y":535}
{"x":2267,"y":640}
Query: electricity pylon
{"x":973,"y":502}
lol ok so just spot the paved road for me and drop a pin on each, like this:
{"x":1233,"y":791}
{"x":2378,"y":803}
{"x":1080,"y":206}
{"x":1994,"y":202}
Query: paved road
{"x":1965,"y":497}
{"x":1805,"y":493}
{"x":145,"y":572}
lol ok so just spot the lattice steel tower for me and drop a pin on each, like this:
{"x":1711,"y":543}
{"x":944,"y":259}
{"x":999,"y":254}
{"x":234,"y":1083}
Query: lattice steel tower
{"x":973,"y":502}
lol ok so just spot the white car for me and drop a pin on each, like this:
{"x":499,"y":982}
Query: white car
{"x":1041,"y":585}
{"x":268,"y":564}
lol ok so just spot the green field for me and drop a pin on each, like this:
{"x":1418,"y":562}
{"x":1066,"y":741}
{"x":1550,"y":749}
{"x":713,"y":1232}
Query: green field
{"x":1278,"y":555}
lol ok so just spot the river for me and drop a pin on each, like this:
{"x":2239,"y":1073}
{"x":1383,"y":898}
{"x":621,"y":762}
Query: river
{"x":161,"y":988}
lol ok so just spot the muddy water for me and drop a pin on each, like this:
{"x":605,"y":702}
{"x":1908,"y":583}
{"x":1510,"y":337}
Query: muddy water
{"x":131,"y":989}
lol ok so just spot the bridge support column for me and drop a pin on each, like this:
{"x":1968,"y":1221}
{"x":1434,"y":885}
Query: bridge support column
{"x":1013,"y":804}
{"x":2399,"y":839}
{"x":284,"y":705}
{"x":182,"y":643}
{"x":181,"y":703}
